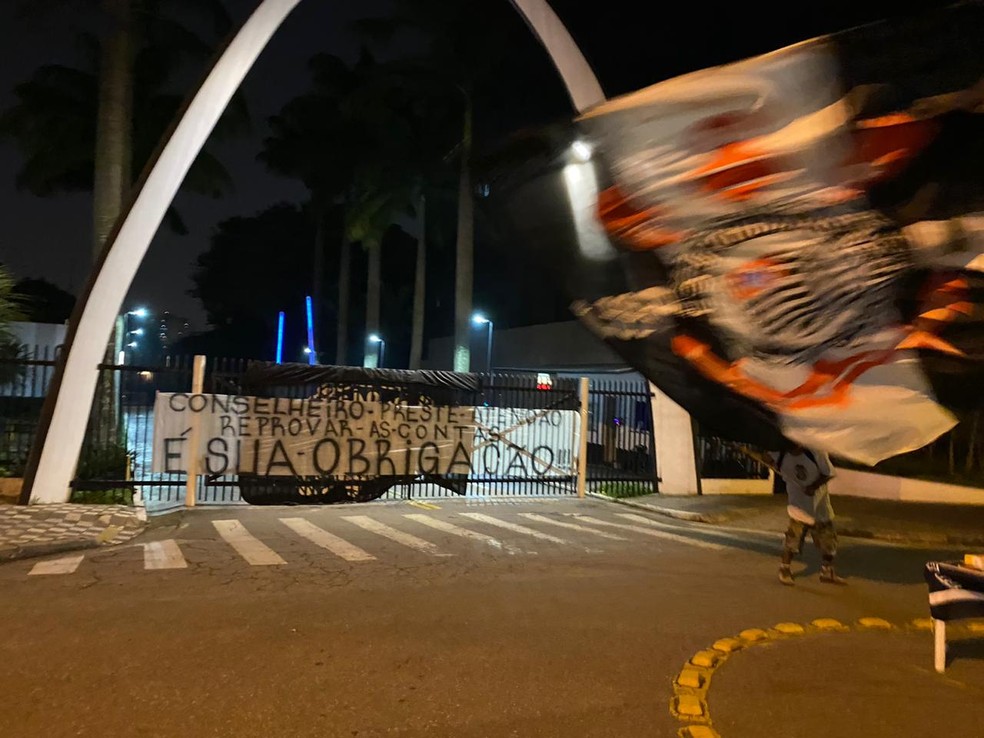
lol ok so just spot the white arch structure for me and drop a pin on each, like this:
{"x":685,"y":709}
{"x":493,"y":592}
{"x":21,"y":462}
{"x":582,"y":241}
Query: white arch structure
{"x":66,"y":409}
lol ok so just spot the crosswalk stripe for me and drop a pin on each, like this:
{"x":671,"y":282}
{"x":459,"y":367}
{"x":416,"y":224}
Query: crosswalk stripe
{"x":572,"y":526}
{"x":65,"y":565}
{"x":246,"y":545}
{"x":411,"y":541}
{"x":454,"y":530}
{"x":329,"y":541}
{"x":163,"y":555}
{"x":513,"y":527}
{"x":652,"y":532}
{"x":719,"y":532}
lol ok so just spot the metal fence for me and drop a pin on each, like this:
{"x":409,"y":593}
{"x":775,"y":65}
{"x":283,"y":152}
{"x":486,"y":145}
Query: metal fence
{"x":115,"y":464}
{"x":525,"y":443}
{"x":24,"y":382}
{"x":621,"y":452}
{"x":526,"y":438}
{"x":720,"y":459}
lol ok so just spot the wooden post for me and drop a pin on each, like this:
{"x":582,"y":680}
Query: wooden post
{"x":582,"y":453}
{"x":939,"y":651}
{"x":197,"y":387}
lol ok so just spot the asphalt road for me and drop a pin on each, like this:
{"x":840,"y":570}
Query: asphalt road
{"x":393,"y":619}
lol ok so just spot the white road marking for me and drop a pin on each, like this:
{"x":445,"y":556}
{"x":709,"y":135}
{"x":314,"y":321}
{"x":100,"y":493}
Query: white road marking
{"x":720,"y":532}
{"x":65,"y":565}
{"x":652,"y":532}
{"x":329,"y":541}
{"x":572,"y":526}
{"x":411,"y":541}
{"x":163,"y":555}
{"x":454,"y":530}
{"x":513,"y":527}
{"x":250,"y":548}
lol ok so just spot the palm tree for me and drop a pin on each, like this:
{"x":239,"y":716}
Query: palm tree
{"x":366,"y":138}
{"x":376,"y":207}
{"x":419,"y":284}
{"x":464,"y":58}
{"x":88,"y":128}
{"x":316,"y":138}
{"x":10,"y":311}
{"x":91,"y":128}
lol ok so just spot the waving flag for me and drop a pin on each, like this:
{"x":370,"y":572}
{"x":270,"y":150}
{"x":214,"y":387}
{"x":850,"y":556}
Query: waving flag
{"x":802,"y":237}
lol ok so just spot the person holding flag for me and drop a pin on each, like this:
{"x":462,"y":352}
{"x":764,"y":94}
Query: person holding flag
{"x":805,"y":474}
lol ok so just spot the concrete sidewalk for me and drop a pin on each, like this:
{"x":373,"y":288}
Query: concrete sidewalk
{"x":904,"y":522}
{"x":38,"y":530}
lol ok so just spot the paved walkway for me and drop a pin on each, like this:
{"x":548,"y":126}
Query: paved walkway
{"x":888,"y":520}
{"x":36,"y":530}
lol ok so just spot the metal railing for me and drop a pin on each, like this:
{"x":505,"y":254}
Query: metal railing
{"x":621,"y":451}
{"x":23,"y":384}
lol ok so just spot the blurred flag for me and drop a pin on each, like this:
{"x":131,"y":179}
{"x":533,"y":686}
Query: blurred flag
{"x":802,"y":237}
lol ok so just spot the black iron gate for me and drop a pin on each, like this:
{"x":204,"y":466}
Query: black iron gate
{"x":525,"y":437}
{"x":621,"y":451}
{"x":115,"y":462}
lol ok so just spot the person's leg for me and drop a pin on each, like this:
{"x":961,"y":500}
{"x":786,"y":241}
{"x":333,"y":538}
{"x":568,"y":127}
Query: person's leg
{"x":792,"y":544}
{"x":825,"y":538}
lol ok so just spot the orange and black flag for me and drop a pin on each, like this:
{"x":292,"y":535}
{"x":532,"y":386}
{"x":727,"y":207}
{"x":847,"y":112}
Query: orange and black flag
{"x":801,"y":237}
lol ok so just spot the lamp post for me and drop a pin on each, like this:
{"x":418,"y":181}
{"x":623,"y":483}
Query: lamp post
{"x":128,"y":333}
{"x":381,"y":352}
{"x":479,"y":319}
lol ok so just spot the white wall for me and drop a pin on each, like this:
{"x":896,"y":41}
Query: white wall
{"x":736,"y":486}
{"x":850,"y":483}
{"x":38,"y":337}
{"x":673,"y":436}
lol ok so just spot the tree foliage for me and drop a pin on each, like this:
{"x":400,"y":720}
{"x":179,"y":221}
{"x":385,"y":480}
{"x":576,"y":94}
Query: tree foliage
{"x":54,"y":118}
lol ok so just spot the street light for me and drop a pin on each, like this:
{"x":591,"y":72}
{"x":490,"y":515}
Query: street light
{"x":377,"y":339}
{"x":128,"y":333}
{"x":582,"y":150}
{"x":479,"y":319}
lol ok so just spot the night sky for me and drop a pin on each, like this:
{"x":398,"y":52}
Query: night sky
{"x":628,"y":47}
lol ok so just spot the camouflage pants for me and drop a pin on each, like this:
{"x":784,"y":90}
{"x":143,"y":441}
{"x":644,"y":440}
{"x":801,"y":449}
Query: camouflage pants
{"x":824,"y":537}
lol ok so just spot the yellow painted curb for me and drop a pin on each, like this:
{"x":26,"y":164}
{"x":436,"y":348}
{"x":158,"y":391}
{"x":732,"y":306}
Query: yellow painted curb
{"x":424,"y":505}
{"x":690,"y":707}
{"x":728,"y":645}
{"x":691,"y":678}
{"x":875,"y":624}
{"x":698,"y":731}
{"x":689,"y":703}
{"x":706,"y":659}
{"x":753,"y":635}
{"x":829,"y":624}
{"x":790,"y":628}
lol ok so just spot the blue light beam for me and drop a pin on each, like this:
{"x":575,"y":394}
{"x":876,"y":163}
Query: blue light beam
{"x":310,"y":326}
{"x":280,"y":338}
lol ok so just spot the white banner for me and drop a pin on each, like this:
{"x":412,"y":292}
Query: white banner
{"x":281,"y":436}
{"x":524,"y":443}
{"x":237,"y":434}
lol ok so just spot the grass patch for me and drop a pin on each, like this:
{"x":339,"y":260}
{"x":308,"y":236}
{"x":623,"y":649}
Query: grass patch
{"x":117,"y":496}
{"x":621,"y":490}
